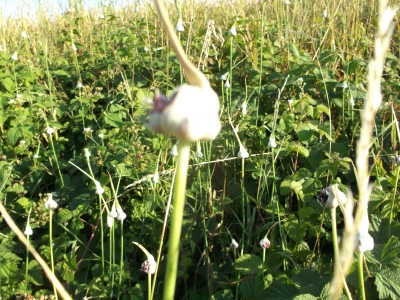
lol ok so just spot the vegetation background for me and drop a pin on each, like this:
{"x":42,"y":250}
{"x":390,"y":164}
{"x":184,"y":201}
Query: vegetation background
{"x":291,"y":76}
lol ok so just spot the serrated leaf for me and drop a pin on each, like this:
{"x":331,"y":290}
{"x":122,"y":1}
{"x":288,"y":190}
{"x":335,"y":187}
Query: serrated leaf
{"x":24,"y":202}
{"x":303,"y":278}
{"x":304,"y":132}
{"x":285,"y":186}
{"x":64,"y":215}
{"x":223,"y":295}
{"x":305,"y":297}
{"x":253,"y":288}
{"x":8,"y":84}
{"x":296,"y":231}
{"x":280,"y":291}
{"x":35,"y":272}
{"x":327,"y":130}
{"x":248,"y":264}
{"x":14,"y":134}
{"x":304,"y":212}
{"x":388,"y":283}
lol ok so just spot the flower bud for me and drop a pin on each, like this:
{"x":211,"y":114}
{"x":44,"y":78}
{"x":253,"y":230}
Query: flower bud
{"x":265,"y":243}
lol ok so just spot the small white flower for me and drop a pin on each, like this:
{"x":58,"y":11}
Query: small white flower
{"x":325,"y":13}
{"x":24,"y":35}
{"x":149,"y":266}
{"x":174,"y":151}
{"x":331,"y":197}
{"x":35,"y":156}
{"x":287,"y":2}
{"x":87,"y":129}
{"x":14,"y":56}
{"x":110,"y":221}
{"x":244,"y":108}
{"x":79,"y":85}
{"x":50,"y":203}
{"x":265,"y":243}
{"x":364,"y":240}
{"x":395,"y":159}
{"x":234,"y":244}
{"x":198,"y":154}
{"x":137,"y":9}
{"x":290,"y":102}
{"x":155,"y":177}
{"x":351,"y":102}
{"x":299,"y":80}
{"x":146,"y":49}
{"x":74,"y":47}
{"x":86,"y":152}
{"x":179,"y":26}
{"x":271,"y":142}
{"x":236,"y":129}
{"x":12,"y":101}
{"x":344,"y":85}
{"x":22,"y":142}
{"x":113,"y":212}
{"x":242,"y":152}
{"x":99,"y":189}
{"x":28,"y":230}
{"x":227,"y":84}
{"x":49,"y":130}
{"x":121,"y":216}
{"x":101,"y":16}
{"x":101,"y":135}
{"x":18,"y":96}
{"x":225,"y":76}
{"x":233,"y":31}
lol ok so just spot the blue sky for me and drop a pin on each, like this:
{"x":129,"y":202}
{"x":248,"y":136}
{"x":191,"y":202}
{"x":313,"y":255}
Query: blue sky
{"x":14,"y":8}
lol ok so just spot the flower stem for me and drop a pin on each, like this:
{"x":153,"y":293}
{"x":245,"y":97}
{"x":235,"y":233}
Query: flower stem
{"x":51,"y":249}
{"x":336,"y":250}
{"x":178,"y":204}
{"x":361,"y":275}
{"x":392,"y":204}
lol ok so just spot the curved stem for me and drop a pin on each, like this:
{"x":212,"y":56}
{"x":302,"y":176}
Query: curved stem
{"x":336,"y":250}
{"x":178,"y":204}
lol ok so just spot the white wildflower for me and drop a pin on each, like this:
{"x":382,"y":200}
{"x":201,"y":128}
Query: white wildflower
{"x":233,"y":31}
{"x":287,"y":2}
{"x":198,"y":154}
{"x":351,"y":102}
{"x":86,"y":152}
{"x":290,"y":102}
{"x":234,"y":244}
{"x":101,"y":135}
{"x":395,"y":159}
{"x":79,"y":85}
{"x":299,"y":80}
{"x":271,"y":142}
{"x":149,"y":266}
{"x":74,"y":47}
{"x":22,"y":142}
{"x":18,"y":96}
{"x":325,"y":13}
{"x":99,"y":189}
{"x":110,"y":221}
{"x":174,"y":151}
{"x":14,"y":56}
{"x":244,"y":108}
{"x":146,"y":49}
{"x":224,"y":76}
{"x":12,"y":101}
{"x":121,"y":215}
{"x":156,"y":177}
{"x":344,"y":85}
{"x":179,"y":26}
{"x":50,"y":203}
{"x":49,"y":130}
{"x":113,"y":212}
{"x":87,"y":129}
{"x":24,"y":35}
{"x":364,"y":240}
{"x":101,"y":16}
{"x":28,"y":230}
{"x":242,"y":152}
{"x":331,"y":197}
{"x":35,"y":156}
{"x":236,"y":129}
{"x":265,"y":243}
{"x":227,"y":84}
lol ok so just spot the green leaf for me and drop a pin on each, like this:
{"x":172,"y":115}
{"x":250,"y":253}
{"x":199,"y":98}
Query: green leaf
{"x":35,"y":272}
{"x":296,"y":231}
{"x":304,"y":132}
{"x":248,"y":264}
{"x":223,"y":295}
{"x":8,"y":84}
{"x":253,"y":288}
{"x":293,"y":50}
{"x":303,"y":278}
{"x":14,"y":134}
{"x":387,"y":283}
{"x":323,"y":108}
{"x":64,"y":215}
{"x":24,"y":202}
{"x":325,"y":129}
{"x":76,"y":225}
{"x":280,"y":291}
{"x":285,"y":186}
{"x":304,"y":212}
{"x":114,"y":120}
